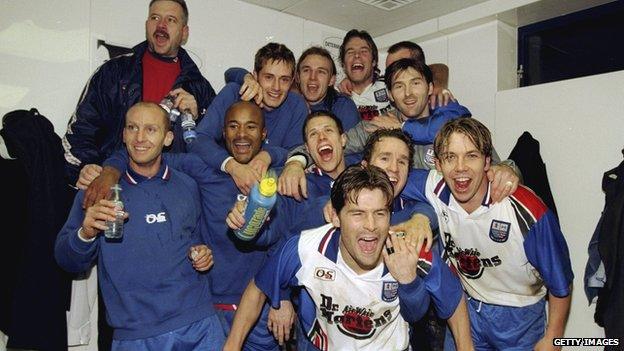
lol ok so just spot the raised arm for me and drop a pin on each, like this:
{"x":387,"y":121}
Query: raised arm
{"x":423,"y":131}
{"x":401,"y":260}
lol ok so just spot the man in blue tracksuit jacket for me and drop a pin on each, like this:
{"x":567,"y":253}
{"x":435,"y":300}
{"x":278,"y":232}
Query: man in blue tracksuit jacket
{"x":150,"y":279}
{"x":94,"y":129}
{"x":284,"y":113}
{"x":315,"y":78}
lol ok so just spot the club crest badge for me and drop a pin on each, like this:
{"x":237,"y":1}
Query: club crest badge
{"x":430,"y":156}
{"x":499,"y":231}
{"x":381,"y":95}
{"x":390,"y":291}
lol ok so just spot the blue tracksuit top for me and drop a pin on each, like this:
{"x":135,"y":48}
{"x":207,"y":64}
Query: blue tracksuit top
{"x":422,"y":131}
{"x":235,"y":261}
{"x":343,"y":107}
{"x":284,"y":126}
{"x":147,"y":281}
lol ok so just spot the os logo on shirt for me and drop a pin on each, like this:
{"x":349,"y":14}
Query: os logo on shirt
{"x":324,"y":274}
{"x":153,"y":218}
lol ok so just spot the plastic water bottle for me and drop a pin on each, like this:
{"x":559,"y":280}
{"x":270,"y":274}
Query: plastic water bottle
{"x":167,"y":104}
{"x":259,"y":204}
{"x":188,"y":127}
{"x":115,"y":228}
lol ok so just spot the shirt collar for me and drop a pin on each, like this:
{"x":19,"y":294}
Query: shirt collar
{"x":134,"y":178}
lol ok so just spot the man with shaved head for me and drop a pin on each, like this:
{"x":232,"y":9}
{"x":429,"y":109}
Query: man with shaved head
{"x":151,"y":279}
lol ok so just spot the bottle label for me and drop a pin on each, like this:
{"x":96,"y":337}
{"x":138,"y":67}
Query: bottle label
{"x":256,"y":221}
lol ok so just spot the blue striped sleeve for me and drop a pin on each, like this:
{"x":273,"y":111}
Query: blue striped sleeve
{"x":279,"y":272}
{"x":546,"y":249}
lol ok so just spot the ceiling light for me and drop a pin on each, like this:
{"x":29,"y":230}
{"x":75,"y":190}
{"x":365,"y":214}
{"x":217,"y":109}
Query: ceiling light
{"x":387,"y":5}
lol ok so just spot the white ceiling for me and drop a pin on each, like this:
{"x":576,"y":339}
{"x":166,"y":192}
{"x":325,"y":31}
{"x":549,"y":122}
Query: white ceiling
{"x":349,"y":14}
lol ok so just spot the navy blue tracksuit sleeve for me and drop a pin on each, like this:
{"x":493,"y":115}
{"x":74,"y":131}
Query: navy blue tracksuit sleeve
{"x":71,"y":253}
{"x":235,"y":75}
{"x":423,"y":131}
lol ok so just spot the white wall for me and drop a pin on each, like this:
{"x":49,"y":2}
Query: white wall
{"x":48,"y":51}
{"x":579,"y":126}
{"x":44,"y":55}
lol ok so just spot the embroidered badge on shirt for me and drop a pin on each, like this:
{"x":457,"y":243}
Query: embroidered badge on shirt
{"x":381,"y":95}
{"x":499,"y":231}
{"x":390,"y":291}
{"x":430,"y":156}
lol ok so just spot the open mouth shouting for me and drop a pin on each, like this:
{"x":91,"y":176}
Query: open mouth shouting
{"x":326,"y":152}
{"x":368,"y":244}
{"x":161,"y":36}
{"x":357,"y":68}
{"x":461,"y":184}
{"x":394,"y":180}
{"x":241,"y":146}
{"x":312,"y":88}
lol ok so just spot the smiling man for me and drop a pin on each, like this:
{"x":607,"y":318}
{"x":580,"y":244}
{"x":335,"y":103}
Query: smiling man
{"x":284,"y":112}
{"x":390,"y":150}
{"x":509,"y":255}
{"x":316,"y":75}
{"x":359,"y":58}
{"x":155,"y":295}
{"x":363,"y":285}
{"x":156,"y":68}
{"x":315,"y":78}
{"x":410,"y":85}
